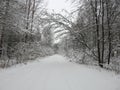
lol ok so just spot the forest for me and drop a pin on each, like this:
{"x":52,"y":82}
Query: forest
{"x":88,"y":35}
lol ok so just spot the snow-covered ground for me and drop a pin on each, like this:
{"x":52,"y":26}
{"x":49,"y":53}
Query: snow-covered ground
{"x":56,"y":73}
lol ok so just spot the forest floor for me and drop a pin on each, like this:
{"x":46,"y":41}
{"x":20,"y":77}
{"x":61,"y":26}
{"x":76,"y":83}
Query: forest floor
{"x":57,"y":73}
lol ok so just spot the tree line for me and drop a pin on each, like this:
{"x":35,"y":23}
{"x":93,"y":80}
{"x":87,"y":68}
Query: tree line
{"x":20,"y":28}
{"x":95,"y":33}
{"x":99,"y":25}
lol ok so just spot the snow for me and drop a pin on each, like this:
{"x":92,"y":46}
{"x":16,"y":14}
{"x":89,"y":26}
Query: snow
{"x":57,"y":73}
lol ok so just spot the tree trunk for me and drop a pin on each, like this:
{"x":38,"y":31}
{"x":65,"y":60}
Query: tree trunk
{"x":4,"y":34}
{"x":33,"y":12}
{"x":28,"y":3}
{"x":109,"y":30}
{"x":102,"y":59}
{"x":97,"y":31}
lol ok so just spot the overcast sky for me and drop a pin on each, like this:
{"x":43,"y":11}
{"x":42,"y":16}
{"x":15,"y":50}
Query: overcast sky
{"x":58,"y":5}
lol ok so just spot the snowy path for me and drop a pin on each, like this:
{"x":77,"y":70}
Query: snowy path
{"x":56,"y":73}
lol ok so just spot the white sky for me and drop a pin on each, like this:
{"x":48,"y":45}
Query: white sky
{"x":59,"y":5}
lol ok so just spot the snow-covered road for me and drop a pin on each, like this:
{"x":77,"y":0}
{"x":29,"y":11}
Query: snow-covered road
{"x":56,"y":73}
